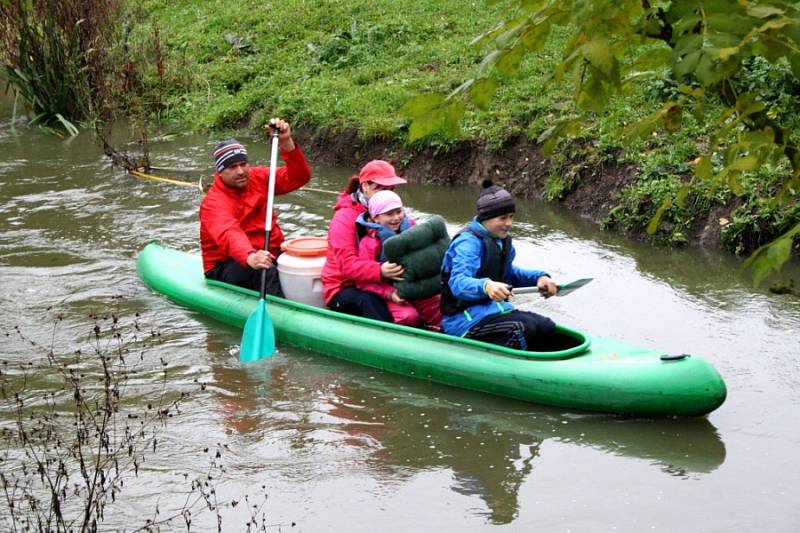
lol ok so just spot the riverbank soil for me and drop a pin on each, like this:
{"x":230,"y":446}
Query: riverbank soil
{"x":518,"y":166}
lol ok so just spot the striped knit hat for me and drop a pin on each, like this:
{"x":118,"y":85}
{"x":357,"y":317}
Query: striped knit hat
{"x":227,"y":153}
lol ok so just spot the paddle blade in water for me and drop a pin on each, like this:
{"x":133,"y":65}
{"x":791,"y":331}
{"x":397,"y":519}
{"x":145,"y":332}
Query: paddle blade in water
{"x":563,"y":290}
{"x":258,"y":338}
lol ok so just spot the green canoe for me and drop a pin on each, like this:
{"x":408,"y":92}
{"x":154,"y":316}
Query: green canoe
{"x":591,"y":373}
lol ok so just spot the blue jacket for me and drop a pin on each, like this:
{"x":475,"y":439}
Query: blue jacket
{"x":462,"y":260}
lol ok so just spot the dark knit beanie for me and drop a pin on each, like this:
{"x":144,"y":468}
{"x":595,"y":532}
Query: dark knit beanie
{"x":493,"y":201}
{"x":227,"y":153}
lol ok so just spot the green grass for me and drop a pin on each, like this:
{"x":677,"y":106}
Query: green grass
{"x":335,"y":64}
{"x":350,"y":65}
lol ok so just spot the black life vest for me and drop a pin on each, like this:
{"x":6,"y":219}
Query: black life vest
{"x":493,"y":266}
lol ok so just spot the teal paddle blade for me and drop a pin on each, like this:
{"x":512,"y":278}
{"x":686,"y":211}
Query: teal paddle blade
{"x":258,"y":338}
{"x":563,"y":290}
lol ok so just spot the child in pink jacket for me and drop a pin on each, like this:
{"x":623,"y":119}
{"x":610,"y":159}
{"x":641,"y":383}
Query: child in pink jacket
{"x":386,"y":218}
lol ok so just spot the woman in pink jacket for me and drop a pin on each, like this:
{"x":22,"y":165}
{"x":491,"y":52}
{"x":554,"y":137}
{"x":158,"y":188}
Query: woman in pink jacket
{"x":343,"y":267}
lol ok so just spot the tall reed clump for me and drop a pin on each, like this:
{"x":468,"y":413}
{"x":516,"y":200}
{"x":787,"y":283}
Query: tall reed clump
{"x":55,"y":55}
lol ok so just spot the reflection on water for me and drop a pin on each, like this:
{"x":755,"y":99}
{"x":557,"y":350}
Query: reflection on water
{"x":401,"y":427}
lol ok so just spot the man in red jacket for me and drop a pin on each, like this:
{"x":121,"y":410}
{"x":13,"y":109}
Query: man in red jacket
{"x":233,"y":213}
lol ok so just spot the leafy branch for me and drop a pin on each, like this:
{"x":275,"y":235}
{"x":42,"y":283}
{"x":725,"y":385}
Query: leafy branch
{"x":702,"y":46}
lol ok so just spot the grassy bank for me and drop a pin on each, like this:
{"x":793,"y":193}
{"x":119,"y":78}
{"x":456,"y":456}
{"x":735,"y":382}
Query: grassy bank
{"x":331,"y":64}
{"x":350,"y":65}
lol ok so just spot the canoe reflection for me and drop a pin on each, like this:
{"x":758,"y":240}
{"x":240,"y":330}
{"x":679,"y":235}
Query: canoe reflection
{"x":405,"y":427}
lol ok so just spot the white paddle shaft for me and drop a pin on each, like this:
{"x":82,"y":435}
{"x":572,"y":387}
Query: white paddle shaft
{"x":273,"y":163}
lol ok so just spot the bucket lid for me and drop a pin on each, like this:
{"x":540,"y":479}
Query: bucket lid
{"x":306,"y":247}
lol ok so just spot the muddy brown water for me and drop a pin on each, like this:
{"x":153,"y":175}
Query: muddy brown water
{"x":339,"y":447}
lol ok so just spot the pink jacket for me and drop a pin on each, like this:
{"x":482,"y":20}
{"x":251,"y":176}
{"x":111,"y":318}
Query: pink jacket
{"x":371,"y":247}
{"x":343,"y":266}
{"x":415,"y":313}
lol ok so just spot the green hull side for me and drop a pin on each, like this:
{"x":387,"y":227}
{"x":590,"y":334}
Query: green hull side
{"x":601,"y":375}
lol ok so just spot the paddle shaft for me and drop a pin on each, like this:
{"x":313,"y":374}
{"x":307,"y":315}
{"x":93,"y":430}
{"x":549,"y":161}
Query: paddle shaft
{"x":524,"y":290}
{"x":273,"y":163}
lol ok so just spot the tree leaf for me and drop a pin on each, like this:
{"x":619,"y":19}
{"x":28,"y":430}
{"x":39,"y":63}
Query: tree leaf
{"x":598,"y":53}
{"x":703,"y":167}
{"x":551,"y":135}
{"x":688,"y":44}
{"x":735,"y":184}
{"x":508,"y":61}
{"x":640,"y":128}
{"x":747,"y":104}
{"x":488,"y":61}
{"x":421,"y":127}
{"x":427,"y":112}
{"x":680,"y":196}
{"x":495,"y":33}
{"x":592,"y":95}
{"x":454,"y":111}
{"x":763,"y":11}
{"x":421,"y":104}
{"x":694,"y":92}
{"x":733,"y":24}
{"x":762,"y":261}
{"x":482,"y":91}
{"x":653,"y":58}
{"x":652,"y":227}
{"x":516,"y":26}
{"x":461,"y":88}
{"x":534,"y":37}
{"x":779,"y":252}
{"x":760,"y":265}
{"x":687,"y":64}
{"x":727,"y":53}
{"x":749,"y":162}
{"x":673,"y":117}
{"x":706,"y":71}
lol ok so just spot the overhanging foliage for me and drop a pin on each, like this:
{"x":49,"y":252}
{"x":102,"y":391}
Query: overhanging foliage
{"x":700,"y":45}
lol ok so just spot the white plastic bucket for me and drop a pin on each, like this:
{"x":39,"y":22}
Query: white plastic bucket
{"x":300,"y":269}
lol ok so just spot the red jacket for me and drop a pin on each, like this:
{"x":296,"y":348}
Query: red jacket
{"x":232,"y":221}
{"x":343,"y":267}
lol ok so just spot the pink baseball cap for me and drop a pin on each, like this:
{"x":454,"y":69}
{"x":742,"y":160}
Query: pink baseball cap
{"x":382,"y":202}
{"x":380,"y":172}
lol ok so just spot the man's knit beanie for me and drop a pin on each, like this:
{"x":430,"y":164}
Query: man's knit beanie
{"x":227,"y":153}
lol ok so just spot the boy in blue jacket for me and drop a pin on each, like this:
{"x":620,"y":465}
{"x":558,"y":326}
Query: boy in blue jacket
{"x":477,"y":275}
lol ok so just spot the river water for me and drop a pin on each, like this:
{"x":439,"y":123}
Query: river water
{"x":338,"y":447}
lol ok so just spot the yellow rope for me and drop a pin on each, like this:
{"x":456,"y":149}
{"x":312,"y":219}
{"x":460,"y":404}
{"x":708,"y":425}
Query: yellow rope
{"x":199,"y":184}
{"x":138,"y":174}
{"x":311,"y":189}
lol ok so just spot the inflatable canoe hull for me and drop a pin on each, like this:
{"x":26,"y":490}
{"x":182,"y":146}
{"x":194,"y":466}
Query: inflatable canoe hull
{"x":595,"y":374}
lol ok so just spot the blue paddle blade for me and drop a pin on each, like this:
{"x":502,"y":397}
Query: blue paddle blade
{"x":258,"y":338}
